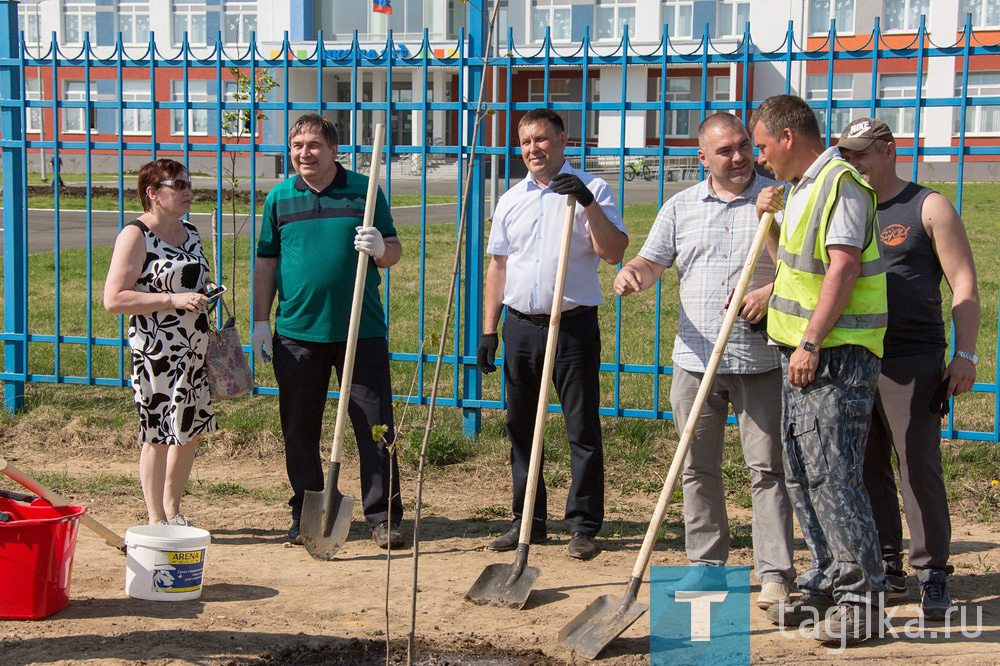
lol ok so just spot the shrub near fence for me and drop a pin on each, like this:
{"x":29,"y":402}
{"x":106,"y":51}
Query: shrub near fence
{"x":55,"y":329}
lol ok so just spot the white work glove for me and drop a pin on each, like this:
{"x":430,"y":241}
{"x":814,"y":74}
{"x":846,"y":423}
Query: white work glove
{"x":261,"y":341}
{"x":369,"y":240}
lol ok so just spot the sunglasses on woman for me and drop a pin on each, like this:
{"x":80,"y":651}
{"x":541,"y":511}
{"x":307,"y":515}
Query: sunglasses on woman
{"x":178,"y":184}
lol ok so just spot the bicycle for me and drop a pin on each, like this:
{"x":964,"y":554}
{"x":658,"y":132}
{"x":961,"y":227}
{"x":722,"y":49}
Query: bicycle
{"x":638,"y":168}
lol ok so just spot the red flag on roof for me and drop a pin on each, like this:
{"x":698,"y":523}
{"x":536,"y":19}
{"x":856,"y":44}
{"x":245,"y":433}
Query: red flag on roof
{"x":381,"y":6}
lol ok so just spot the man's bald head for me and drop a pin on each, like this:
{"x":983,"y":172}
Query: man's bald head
{"x":723,"y":120}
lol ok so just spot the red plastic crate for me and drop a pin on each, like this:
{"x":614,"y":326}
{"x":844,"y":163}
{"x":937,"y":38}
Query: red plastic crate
{"x":36,"y":558}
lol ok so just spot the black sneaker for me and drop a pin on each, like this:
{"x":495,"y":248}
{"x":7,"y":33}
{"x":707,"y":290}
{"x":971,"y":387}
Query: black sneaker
{"x":897,"y":586}
{"x":582,"y":546}
{"x":807,"y":609}
{"x":293,"y":533}
{"x":386,"y":537}
{"x":934,"y":599}
{"x":509,"y":540}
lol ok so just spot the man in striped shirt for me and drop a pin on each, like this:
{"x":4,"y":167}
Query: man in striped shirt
{"x":707,"y":231}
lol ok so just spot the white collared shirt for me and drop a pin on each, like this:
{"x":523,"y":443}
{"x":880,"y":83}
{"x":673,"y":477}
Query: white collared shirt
{"x":850,"y":214}
{"x":527,"y":229}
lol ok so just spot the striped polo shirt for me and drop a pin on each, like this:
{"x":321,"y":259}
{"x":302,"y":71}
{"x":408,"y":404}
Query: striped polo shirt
{"x":312,"y":236}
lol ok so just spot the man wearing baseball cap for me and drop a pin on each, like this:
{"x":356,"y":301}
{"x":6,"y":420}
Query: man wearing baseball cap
{"x":921,"y":237}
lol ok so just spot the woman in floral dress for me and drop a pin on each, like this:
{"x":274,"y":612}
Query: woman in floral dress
{"x":158,"y":276}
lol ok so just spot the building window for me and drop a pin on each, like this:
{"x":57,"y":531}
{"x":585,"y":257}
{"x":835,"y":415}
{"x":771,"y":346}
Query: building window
{"x":733,"y":17}
{"x":558,"y":91}
{"x":79,"y":19}
{"x":901,"y":86}
{"x":816,"y":90}
{"x":240,"y":22}
{"x":133,"y":23}
{"x":980,"y":119}
{"x":136,"y":121}
{"x":189,"y":18}
{"x":904,"y":14}
{"x":568,"y":90}
{"x":32,"y":91}
{"x":678,"y":16}
{"x":27,"y":21}
{"x":456,"y":17}
{"x":721,"y":89}
{"x":677,"y":122}
{"x":78,"y":120}
{"x":197,"y":118}
{"x":613,"y":19}
{"x":821,"y":11}
{"x":985,"y":13}
{"x":555,"y":17}
{"x":241,"y":126}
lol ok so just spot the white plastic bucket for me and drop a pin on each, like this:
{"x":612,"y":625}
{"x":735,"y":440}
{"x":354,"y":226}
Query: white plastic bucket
{"x":165,"y":562}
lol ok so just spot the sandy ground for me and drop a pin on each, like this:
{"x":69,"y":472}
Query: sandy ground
{"x":266,"y":602}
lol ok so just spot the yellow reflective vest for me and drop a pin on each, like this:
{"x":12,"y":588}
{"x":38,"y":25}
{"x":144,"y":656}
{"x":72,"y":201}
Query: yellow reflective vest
{"x":802,"y":264}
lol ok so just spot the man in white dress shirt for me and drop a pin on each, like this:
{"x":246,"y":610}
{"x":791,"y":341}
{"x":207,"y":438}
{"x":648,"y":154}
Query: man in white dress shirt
{"x":524,"y":243}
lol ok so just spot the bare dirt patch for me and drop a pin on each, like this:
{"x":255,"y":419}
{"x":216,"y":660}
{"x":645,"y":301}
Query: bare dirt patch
{"x":265,"y":602}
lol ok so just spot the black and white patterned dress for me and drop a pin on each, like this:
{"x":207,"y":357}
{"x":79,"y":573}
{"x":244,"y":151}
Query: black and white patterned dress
{"x":168,"y":346}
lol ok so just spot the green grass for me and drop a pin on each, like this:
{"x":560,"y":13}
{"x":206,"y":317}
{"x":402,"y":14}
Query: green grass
{"x":108,"y":202}
{"x":35,"y":177}
{"x":638,"y":450}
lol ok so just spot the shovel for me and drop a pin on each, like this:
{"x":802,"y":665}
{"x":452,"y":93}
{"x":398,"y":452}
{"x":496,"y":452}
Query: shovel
{"x":326,"y":515}
{"x":607,"y":617}
{"x":509,"y":586}
{"x":56,"y":499}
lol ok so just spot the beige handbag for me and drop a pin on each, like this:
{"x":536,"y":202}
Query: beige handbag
{"x":229,"y":373}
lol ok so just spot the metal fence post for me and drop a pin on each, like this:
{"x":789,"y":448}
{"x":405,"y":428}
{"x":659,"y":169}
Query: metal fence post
{"x":475,"y":219}
{"x":13,"y":161}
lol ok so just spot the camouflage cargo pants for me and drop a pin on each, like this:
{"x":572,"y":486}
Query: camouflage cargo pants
{"x":824,"y":428}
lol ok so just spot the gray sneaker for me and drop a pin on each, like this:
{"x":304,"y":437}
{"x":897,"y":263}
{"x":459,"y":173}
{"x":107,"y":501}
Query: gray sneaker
{"x":809,"y":608}
{"x":180,"y":520}
{"x":934,"y":599}
{"x":848,"y":624}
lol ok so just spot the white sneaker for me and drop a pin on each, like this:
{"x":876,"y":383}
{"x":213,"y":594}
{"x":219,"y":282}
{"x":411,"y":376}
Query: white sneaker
{"x":772,"y":593}
{"x":180,"y":520}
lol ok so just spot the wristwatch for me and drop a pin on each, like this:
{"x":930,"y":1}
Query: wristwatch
{"x":808,"y":346}
{"x":968,"y":356}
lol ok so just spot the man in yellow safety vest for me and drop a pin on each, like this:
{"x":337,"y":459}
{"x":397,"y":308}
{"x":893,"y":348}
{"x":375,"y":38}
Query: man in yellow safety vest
{"x":827,"y":315}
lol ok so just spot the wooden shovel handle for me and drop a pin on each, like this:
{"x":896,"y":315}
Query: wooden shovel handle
{"x":699,"y":401}
{"x":58,"y":500}
{"x":527,"y":513}
{"x":347,"y":375}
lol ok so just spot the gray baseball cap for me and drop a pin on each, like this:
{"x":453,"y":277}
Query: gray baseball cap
{"x":860,"y":133}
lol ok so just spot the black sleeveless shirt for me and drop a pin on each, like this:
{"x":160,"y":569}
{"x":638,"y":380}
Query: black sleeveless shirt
{"x":913,"y":276}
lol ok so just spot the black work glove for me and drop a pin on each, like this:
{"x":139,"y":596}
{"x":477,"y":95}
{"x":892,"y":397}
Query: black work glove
{"x":487,"y":352}
{"x":568,"y":183}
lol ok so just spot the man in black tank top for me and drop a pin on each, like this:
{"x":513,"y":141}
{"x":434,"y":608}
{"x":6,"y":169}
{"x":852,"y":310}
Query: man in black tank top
{"x":921,"y":239}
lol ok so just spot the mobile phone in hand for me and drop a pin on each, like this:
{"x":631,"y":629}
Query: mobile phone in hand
{"x":939,"y":401}
{"x":215,"y":292}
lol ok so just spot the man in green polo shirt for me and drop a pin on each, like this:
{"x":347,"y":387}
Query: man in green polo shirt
{"x":307,"y":255}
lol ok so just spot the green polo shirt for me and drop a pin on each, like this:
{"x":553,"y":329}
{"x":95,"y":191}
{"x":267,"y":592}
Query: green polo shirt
{"x":312,"y":236}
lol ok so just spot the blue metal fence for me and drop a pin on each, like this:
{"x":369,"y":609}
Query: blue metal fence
{"x":466,"y":63}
